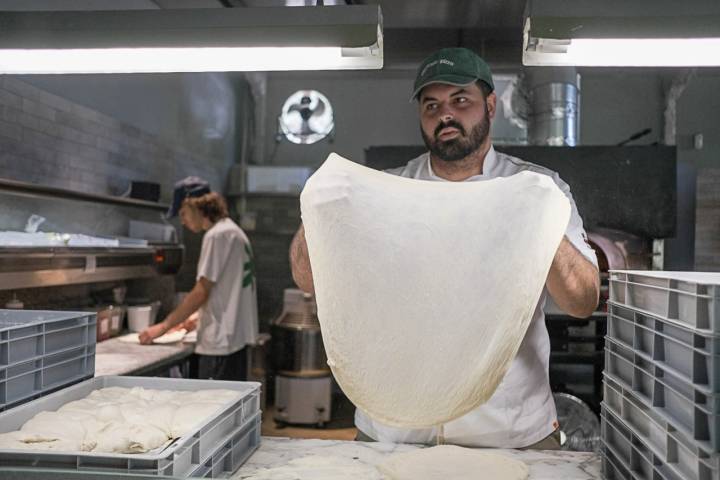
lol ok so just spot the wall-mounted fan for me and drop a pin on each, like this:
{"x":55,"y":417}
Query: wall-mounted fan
{"x":306,"y":117}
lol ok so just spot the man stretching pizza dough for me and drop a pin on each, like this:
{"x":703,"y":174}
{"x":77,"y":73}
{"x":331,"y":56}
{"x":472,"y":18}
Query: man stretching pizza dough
{"x":454,"y":91}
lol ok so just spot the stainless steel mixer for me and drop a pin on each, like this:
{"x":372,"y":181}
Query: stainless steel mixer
{"x":303,"y":384}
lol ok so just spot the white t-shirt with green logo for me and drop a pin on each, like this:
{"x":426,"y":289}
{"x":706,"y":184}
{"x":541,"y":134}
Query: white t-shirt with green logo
{"x":229,"y":318}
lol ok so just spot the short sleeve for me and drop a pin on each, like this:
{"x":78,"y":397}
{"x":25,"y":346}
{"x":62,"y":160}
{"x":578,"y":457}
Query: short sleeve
{"x":575,"y":231}
{"x":213,"y":256}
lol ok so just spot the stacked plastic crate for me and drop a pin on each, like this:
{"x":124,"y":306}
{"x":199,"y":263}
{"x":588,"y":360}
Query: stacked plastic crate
{"x":41,"y":352}
{"x":661,"y":409}
{"x":216,"y":447}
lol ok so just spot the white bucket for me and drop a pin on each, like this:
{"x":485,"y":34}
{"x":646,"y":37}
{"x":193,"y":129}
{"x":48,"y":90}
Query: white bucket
{"x":140,"y":317}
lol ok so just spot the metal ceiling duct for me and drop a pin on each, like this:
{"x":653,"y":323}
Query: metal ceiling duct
{"x":554,"y":106}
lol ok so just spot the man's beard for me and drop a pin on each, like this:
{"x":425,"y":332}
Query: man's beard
{"x":461,"y":146}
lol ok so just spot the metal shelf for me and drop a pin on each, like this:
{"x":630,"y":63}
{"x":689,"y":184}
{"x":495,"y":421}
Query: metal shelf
{"x":22,"y":267}
{"x":290,"y":195}
{"x":30,"y":189}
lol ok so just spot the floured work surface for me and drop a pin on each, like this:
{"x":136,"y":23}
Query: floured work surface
{"x":448,"y":462}
{"x":118,"y":420}
{"x":318,"y":467}
{"x":425,"y":289}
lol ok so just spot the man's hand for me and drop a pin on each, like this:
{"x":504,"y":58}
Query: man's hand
{"x":149,"y":334}
{"x":192,"y":302}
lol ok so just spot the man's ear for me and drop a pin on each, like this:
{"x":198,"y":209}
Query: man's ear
{"x":490,"y":100}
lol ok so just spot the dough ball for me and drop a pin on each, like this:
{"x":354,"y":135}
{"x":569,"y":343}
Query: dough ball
{"x":128,"y":438}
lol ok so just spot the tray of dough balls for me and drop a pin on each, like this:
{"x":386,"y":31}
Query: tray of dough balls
{"x":137,"y":425}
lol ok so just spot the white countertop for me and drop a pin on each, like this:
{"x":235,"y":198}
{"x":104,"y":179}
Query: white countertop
{"x":114,"y":357}
{"x":297,"y":459}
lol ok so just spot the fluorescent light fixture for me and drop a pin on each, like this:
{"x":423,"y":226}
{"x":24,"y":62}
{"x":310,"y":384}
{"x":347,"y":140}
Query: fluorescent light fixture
{"x":628,"y":52}
{"x":602,"y":37}
{"x":203,"y":40}
{"x":204,"y":59}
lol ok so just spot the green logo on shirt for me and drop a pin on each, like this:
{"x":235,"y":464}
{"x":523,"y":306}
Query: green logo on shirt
{"x":248,"y":268}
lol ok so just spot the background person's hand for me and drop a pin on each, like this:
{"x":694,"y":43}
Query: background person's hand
{"x":188,"y":325}
{"x":149,"y":334}
{"x":192,"y":322}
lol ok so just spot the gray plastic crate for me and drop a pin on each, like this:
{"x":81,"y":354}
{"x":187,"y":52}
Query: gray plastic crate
{"x":181,"y":459}
{"x":688,"y":408}
{"x":694,"y":355}
{"x":233,"y":451}
{"x":696,"y":417}
{"x":634,"y":454}
{"x":226,"y":460}
{"x":692,"y":298}
{"x":41,"y":351}
{"x":28,"y":380}
{"x":640,"y":463}
{"x":612,"y":467}
{"x":26,"y":334}
{"x":653,"y":380}
{"x":654,"y":428}
{"x":30,"y":473}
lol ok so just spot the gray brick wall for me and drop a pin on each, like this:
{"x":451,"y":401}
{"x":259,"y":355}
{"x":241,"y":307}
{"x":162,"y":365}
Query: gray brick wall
{"x":276,"y":221}
{"x":707,"y":221}
{"x":272,"y":267}
{"x":49,"y":140}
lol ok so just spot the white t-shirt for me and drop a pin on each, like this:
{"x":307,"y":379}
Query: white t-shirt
{"x":521,"y":411}
{"x":229,"y":319}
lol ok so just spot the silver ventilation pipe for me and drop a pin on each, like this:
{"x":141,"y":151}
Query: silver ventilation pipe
{"x":553,"y":95}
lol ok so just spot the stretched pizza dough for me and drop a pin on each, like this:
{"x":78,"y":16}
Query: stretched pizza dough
{"x":448,"y":462}
{"x":425,"y":289}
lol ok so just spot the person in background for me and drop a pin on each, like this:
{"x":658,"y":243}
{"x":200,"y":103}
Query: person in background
{"x":224,"y":294}
{"x":455,"y":94}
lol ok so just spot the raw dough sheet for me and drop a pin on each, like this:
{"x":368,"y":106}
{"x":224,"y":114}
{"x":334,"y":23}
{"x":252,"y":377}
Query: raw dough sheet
{"x":425,"y":289}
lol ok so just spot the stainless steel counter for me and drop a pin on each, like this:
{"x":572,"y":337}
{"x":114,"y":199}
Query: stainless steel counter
{"x":284,"y":458}
{"x":113,"y":357}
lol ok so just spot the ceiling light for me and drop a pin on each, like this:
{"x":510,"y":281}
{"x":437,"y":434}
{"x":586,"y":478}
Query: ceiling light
{"x":199,"y":40}
{"x":598,"y":35}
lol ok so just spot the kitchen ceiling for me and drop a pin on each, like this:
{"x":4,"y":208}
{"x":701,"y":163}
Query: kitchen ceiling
{"x":412,"y":28}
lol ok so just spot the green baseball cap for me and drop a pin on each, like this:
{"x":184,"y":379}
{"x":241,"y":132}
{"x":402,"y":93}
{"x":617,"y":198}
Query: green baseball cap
{"x":454,"y":66}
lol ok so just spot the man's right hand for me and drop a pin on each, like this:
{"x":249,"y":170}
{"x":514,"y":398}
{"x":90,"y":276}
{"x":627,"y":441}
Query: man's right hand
{"x":149,"y":334}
